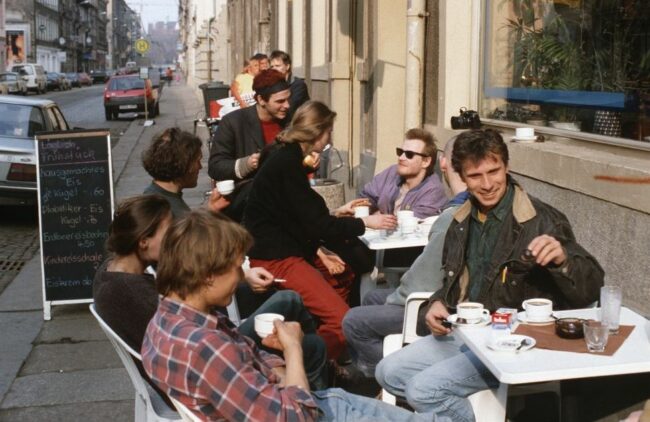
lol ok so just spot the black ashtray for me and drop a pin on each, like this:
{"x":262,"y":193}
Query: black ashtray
{"x":570,"y":328}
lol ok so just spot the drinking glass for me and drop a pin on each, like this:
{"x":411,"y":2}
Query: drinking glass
{"x":610,"y":306}
{"x":596,"y":335}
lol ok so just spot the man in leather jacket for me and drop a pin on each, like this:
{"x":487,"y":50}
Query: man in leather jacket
{"x":502,"y":247}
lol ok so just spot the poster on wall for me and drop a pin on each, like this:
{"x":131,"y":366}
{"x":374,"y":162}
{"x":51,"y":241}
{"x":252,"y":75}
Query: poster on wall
{"x":16,"y":53}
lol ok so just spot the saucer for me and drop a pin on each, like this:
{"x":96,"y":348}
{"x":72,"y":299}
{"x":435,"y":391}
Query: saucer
{"x":485,"y":320}
{"x":510,"y":343}
{"x":524,"y":139}
{"x":522,"y":317}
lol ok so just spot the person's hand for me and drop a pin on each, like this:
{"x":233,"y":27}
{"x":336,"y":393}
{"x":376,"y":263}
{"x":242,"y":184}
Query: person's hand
{"x":547,"y":249}
{"x":347,"y":210}
{"x":334,"y":264}
{"x":381,"y":221}
{"x":253,"y":160}
{"x":435,"y":315}
{"x":285,"y":335}
{"x":258,"y":279}
{"x":217,"y":202}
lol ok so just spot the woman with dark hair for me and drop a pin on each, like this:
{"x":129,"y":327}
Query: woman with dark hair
{"x":174,"y":160}
{"x":288,"y":220}
{"x":126,"y":297}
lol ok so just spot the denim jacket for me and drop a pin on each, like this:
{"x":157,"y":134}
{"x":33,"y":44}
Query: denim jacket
{"x":574,"y":284}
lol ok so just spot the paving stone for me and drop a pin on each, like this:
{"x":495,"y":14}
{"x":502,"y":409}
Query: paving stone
{"x":19,"y":329}
{"x":71,"y":330}
{"x":104,"y":411}
{"x":71,"y":357}
{"x":69,"y":387}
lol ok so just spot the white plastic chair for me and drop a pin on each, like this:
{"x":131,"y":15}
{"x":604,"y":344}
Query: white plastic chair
{"x":487,"y":404}
{"x":149,"y":406}
{"x":186,"y":414}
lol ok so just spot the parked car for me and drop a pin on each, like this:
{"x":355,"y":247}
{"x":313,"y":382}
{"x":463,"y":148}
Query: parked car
{"x":73,"y":77}
{"x":126,"y":93}
{"x":84,"y":79}
{"x":99,"y":76}
{"x":57,"y":81}
{"x":20,"y":120}
{"x":13,"y":83}
{"x":33,"y":75}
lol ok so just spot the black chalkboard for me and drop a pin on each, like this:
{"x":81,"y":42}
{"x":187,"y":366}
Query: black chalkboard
{"x":75,"y":195}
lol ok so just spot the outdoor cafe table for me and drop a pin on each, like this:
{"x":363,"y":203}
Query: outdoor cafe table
{"x":540,"y":365}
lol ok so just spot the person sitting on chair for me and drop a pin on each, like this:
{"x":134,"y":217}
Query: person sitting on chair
{"x":199,"y":359}
{"x":126,"y":298}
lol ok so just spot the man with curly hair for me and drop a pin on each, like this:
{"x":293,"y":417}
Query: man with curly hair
{"x":174,"y":160}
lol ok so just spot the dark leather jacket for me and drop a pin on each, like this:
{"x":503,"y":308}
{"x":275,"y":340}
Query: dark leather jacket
{"x":575,"y":284}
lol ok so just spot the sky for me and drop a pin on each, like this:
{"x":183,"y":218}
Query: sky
{"x":155,"y":10}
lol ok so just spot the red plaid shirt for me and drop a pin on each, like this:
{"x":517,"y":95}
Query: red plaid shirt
{"x":202,"y":361}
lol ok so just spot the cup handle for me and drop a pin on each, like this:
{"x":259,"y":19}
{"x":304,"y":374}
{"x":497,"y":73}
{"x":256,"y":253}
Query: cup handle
{"x":486,"y":312}
{"x":523,"y":305}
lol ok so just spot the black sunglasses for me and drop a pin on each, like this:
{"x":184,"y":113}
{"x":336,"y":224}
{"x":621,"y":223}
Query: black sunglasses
{"x":409,"y":154}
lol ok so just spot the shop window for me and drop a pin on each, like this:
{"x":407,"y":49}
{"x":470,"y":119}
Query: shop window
{"x":576,"y":65}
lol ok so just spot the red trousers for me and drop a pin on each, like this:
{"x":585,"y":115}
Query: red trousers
{"x":324,"y":295}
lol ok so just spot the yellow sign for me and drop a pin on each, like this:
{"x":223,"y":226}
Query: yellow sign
{"x":141,"y":46}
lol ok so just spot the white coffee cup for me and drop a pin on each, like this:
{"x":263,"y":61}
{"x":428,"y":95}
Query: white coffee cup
{"x":524,"y":133}
{"x":472,"y":312}
{"x":408,"y":225}
{"x":361,"y":211}
{"x":264,"y":323}
{"x":538,"y":309}
{"x":226,"y":187}
{"x":404,"y":214}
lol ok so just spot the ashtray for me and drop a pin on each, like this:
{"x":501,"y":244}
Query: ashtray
{"x":570,"y":328}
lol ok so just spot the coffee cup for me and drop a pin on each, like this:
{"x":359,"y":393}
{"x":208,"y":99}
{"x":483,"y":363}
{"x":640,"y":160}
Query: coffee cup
{"x":472,"y":312}
{"x":361,"y":211}
{"x":226,"y":187}
{"x":538,"y":309}
{"x":404,"y":214}
{"x":264,"y":323}
{"x":524,"y":133}
{"x":408,"y":225}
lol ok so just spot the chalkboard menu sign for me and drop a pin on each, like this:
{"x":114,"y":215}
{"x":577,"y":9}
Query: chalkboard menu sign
{"x":75,"y":195}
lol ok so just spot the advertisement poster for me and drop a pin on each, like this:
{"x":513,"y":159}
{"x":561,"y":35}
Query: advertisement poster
{"x":15,"y":47}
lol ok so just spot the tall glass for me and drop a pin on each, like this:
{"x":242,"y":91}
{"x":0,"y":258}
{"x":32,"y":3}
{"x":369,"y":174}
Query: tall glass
{"x":610,"y":306}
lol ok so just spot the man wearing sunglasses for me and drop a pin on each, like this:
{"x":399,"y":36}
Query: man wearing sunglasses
{"x":503,"y":246}
{"x":408,"y":185}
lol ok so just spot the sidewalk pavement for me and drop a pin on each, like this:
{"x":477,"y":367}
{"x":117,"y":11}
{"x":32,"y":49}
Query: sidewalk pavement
{"x":65,"y":369}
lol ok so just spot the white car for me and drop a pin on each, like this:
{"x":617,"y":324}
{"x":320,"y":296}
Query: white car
{"x":20,"y":120}
{"x":33,"y":75}
{"x":13,"y":83}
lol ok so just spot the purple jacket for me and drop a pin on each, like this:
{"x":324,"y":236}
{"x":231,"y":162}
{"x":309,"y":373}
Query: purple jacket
{"x":426,"y":199}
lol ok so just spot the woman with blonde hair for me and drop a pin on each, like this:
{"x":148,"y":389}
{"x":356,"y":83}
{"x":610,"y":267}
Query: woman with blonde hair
{"x":289,"y":221}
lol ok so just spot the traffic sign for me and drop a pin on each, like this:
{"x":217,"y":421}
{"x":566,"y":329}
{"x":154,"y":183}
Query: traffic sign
{"x":142,"y":46}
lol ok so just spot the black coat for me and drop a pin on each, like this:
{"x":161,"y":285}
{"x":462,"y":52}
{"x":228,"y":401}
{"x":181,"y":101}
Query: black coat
{"x":285,"y":215}
{"x":299,"y":96}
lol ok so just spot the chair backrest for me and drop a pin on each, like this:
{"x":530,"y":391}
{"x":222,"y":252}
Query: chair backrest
{"x":155,"y":408}
{"x":186,"y":414}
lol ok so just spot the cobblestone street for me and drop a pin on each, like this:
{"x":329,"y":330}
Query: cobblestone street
{"x":18,"y":241}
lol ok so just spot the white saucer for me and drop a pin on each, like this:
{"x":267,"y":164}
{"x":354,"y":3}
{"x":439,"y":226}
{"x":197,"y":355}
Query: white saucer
{"x":524,"y":139}
{"x":510,"y":343}
{"x":483,"y":322}
{"x":522,"y":317}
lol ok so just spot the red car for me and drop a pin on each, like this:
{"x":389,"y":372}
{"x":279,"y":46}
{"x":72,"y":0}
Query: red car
{"x":85,"y":79}
{"x":126,"y":93}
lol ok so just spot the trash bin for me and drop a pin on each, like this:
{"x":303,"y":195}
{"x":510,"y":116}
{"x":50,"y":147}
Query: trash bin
{"x":331,"y":190}
{"x":213,"y":91}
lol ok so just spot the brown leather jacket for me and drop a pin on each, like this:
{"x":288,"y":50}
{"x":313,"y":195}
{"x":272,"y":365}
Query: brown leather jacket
{"x":575,"y":284}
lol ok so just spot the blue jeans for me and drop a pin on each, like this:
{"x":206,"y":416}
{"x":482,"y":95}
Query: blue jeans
{"x":366,"y":326}
{"x":436,"y":374}
{"x":289,"y":304}
{"x":341,"y":406}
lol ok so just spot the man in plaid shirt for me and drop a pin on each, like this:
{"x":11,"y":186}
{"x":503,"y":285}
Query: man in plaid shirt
{"x":201,"y":360}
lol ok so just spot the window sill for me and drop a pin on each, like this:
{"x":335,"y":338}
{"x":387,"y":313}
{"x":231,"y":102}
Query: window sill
{"x":616,"y":174}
